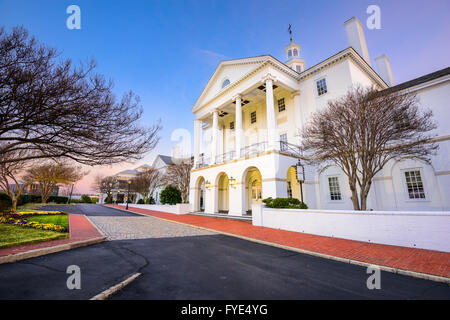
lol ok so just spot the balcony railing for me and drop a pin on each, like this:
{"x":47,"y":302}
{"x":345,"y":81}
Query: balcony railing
{"x":255,"y":148}
{"x":202,"y":162}
{"x":225,"y":157}
{"x":290,"y":148}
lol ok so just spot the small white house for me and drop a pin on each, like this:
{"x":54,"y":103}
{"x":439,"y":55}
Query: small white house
{"x":247,"y":125}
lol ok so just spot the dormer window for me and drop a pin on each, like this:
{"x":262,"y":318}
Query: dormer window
{"x":225,"y":83}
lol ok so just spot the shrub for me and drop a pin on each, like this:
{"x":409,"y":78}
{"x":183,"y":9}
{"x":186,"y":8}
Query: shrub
{"x":151,"y":200}
{"x":141,"y":201}
{"x":286,"y":203}
{"x":85,"y":199}
{"x":58,"y":199}
{"x":170,"y":195}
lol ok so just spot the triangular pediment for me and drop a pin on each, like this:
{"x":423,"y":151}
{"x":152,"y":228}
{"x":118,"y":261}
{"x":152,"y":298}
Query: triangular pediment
{"x":231,"y":70}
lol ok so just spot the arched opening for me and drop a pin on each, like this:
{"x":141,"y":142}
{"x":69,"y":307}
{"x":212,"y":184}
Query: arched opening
{"x":223,"y":193}
{"x":200,"y":189}
{"x":253,"y":189}
{"x":292,"y":184}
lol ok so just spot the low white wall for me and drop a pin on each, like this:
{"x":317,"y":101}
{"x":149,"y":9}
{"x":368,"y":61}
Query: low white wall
{"x":180,"y":208}
{"x":425,"y":230}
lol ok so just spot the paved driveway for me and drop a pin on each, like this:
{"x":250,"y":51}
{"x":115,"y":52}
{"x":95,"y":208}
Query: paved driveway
{"x":180,"y":262}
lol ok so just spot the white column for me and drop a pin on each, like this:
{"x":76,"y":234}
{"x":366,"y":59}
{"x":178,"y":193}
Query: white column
{"x":270,"y":109}
{"x":215,"y":129}
{"x":298,"y":121}
{"x":197,"y":139}
{"x":238,"y":126}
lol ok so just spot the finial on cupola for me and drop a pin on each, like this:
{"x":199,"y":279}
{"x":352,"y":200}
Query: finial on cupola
{"x":290,"y":31}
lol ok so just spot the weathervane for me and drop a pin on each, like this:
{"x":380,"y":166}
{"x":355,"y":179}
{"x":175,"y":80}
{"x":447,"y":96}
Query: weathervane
{"x":290,"y":31}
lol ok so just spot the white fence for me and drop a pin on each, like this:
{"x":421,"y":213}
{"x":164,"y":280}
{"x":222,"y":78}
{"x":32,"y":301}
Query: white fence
{"x":425,"y":230}
{"x":180,"y":208}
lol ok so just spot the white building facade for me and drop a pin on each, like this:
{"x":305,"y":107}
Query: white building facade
{"x":248,"y":123}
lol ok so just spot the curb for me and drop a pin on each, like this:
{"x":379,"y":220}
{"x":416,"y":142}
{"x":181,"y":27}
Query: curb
{"x":108,"y":292}
{"x":44,"y":251}
{"x":316,"y":254}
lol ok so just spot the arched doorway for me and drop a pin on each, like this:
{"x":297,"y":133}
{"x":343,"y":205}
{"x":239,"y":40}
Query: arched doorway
{"x":200,"y":189}
{"x":292,"y":184}
{"x":253,"y":189}
{"x":223,"y":194}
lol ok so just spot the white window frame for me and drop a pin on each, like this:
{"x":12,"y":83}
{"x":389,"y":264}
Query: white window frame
{"x":338,"y":177}
{"x":316,"y":92}
{"x":256,"y":117}
{"x":278,"y":104}
{"x":405,"y":185}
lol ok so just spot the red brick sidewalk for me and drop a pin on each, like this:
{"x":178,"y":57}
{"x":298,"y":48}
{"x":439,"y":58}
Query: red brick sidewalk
{"x":80,"y":229}
{"x":409,"y":259}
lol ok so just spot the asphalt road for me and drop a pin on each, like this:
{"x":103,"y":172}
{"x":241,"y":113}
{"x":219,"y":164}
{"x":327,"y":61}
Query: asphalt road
{"x":211,"y":266}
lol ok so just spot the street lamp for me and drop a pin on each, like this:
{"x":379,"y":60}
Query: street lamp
{"x":300,"y":170}
{"x":70,"y":198}
{"x":128,"y":196}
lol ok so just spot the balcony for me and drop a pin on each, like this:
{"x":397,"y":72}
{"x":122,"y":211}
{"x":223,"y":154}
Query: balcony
{"x":202,"y":162}
{"x":290,"y":148}
{"x":253,"y":149}
{"x":225,"y":157}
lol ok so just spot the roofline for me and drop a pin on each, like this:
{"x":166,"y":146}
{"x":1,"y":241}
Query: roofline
{"x":418,"y":81}
{"x":298,"y":76}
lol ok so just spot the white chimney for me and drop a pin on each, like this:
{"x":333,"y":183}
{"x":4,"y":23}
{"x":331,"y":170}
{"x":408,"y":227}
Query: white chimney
{"x":384,"y":69}
{"x":356,"y":38}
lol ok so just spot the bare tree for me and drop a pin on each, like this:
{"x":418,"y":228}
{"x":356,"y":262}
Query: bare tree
{"x":146,"y":182}
{"x":365,"y":129}
{"x":52,"y":174}
{"x":178,"y":174}
{"x":104,"y":184}
{"x":49,"y":106}
{"x":12,"y":171}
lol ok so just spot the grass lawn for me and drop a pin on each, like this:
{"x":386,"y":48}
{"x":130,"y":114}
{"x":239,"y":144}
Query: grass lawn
{"x":11,"y":235}
{"x":60,"y":220}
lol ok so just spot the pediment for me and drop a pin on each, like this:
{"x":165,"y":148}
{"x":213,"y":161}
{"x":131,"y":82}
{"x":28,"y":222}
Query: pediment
{"x":231,"y":70}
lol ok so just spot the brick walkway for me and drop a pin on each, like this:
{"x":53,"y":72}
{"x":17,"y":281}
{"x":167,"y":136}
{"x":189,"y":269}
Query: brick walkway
{"x":79,"y":227}
{"x":410,"y":259}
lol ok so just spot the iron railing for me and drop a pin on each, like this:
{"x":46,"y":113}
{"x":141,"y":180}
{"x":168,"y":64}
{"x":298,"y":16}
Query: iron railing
{"x":252,"y":149}
{"x":290,"y":148}
{"x":202,"y":162}
{"x":225,"y":157}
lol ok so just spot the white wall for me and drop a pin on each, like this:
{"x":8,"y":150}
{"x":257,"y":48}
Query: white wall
{"x":425,"y":230}
{"x":180,"y":208}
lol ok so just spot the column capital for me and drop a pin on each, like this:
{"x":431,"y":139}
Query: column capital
{"x":236,"y":97}
{"x":295,"y":93}
{"x":268,"y":77}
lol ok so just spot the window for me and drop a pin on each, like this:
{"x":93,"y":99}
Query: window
{"x":281,"y":105}
{"x":253,"y":117}
{"x":321,"y":87}
{"x":414,"y":185}
{"x":335,"y":190}
{"x":225,"y":83}
{"x":283,"y":142}
{"x":290,"y":53}
{"x":289,"y":189}
{"x":232,"y":125}
{"x":299,"y":69}
{"x":295,"y":52}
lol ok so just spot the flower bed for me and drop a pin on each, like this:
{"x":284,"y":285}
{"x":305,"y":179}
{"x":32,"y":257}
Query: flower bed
{"x":19,"y":219}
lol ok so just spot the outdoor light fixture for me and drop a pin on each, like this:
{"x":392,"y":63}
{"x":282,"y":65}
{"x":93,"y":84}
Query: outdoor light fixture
{"x":232,"y":182}
{"x":208,"y":185}
{"x":128,"y":195}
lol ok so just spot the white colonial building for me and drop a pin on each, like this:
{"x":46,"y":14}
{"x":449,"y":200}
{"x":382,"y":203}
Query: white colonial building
{"x":248,"y":120}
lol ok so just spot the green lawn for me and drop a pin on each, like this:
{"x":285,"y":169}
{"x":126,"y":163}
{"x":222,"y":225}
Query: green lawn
{"x":60,"y":220}
{"x":11,"y":235}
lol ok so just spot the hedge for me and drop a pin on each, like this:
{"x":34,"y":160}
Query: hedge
{"x":285,"y":203}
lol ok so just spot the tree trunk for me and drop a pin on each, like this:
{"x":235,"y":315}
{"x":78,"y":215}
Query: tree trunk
{"x":354,"y":195}
{"x":14,"y":203}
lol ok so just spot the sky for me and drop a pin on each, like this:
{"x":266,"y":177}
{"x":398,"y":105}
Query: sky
{"x":166,"y":51}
